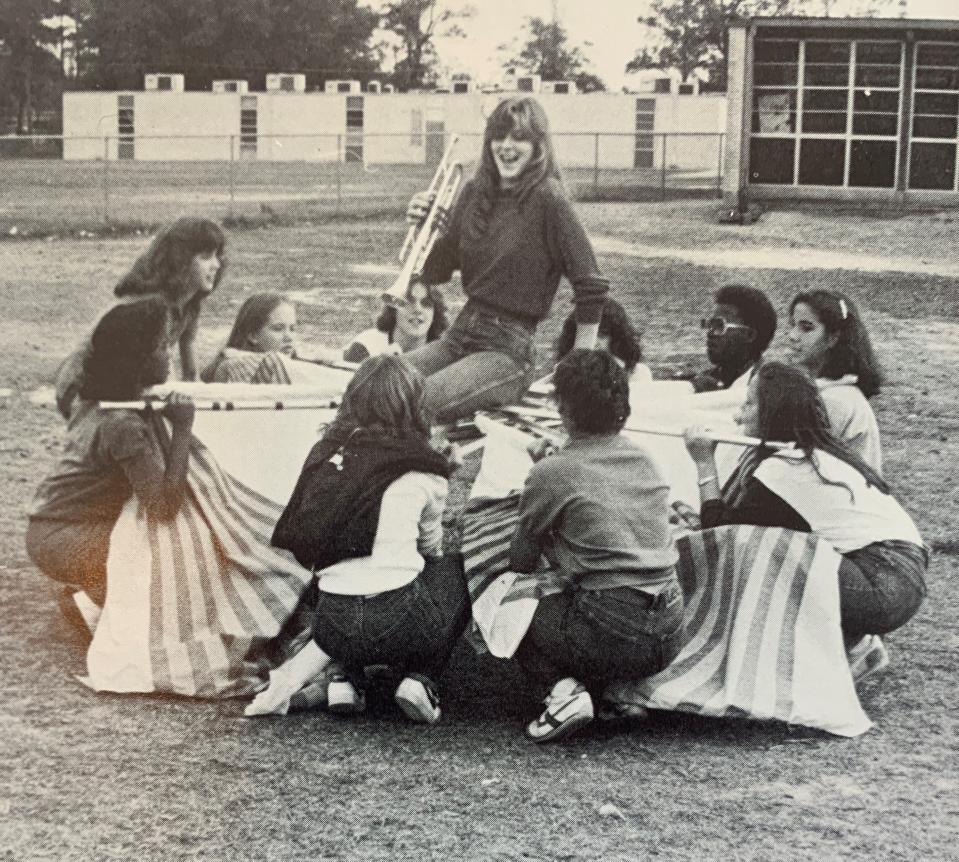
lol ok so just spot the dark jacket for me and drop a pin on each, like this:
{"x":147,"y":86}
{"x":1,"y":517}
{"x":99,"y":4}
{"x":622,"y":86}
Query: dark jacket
{"x":335,"y":507}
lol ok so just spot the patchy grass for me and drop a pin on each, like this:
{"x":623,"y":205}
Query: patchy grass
{"x":108,"y":777}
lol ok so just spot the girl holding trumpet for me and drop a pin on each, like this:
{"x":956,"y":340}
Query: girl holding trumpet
{"x":820,"y":487}
{"x":512,"y":234}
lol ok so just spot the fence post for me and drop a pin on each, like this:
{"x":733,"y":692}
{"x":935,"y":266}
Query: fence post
{"x":340,"y":154}
{"x":719,"y":167}
{"x":663,"y":180}
{"x":596,"y":165}
{"x":106,"y":180}
{"x":232,"y":176}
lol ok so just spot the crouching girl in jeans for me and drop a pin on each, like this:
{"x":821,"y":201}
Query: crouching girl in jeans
{"x":366,"y":516}
{"x":598,"y":511}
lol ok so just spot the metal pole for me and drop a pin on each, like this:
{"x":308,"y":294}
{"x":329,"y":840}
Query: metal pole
{"x":106,"y":176}
{"x":596,"y":165}
{"x":719,"y":167}
{"x":232,"y":175}
{"x":663,"y":180}
{"x":340,"y":155}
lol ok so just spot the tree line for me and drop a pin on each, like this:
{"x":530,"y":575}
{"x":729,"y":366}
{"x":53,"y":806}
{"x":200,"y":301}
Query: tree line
{"x":49,"y":45}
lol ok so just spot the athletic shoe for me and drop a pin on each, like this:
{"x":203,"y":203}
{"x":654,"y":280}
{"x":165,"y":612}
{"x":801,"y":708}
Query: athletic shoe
{"x":867,"y":657}
{"x":416,"y":696}
{"x":568,"y":708}
{"x":342,"y":696}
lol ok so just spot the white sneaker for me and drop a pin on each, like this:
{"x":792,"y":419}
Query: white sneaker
{"x":417,"y":697}
{"x":867,"y":657}
{"x":342,"y":696}
{"x":568,"y":708}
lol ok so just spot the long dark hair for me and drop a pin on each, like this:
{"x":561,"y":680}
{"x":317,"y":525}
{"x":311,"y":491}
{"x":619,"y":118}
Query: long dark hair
{"x":615,"y":324}
{"x":852,"y":352}
{"x":789,"y":408}
{"x":114,"y":368}
{"x":165,"y":267}
{"x":384,"y":398}
{"x":525,"y":118}
{"x":386,"y":322}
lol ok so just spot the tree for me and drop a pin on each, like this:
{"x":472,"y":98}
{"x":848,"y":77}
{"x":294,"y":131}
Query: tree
{"x":691,"y":35}
{"x":207,"y":39}
{"x":27,"y":40}
{"x":548,"y":53}
{"x":416,"y":24}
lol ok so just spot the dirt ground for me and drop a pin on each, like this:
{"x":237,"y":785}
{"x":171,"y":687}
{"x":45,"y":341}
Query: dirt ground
{"x":107,"y":777}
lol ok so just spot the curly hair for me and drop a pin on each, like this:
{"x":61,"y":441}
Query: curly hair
{"x":525,"y":118}
{"x":852,"y":352}
{"x":756,"y":311}
{"x":790,"y":408}
{"x":385,"y":398}
{"x":614,"y":324}
{"x":126,"y":336}
{"x":592,"y":391}
{"x":386,"y":322}
{"x":165,"y":268}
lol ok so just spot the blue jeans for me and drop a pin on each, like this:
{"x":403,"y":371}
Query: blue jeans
{"x":412,"y":629}
{"x":598,"y":636}
{"x":881,"y":587}
{"x":485,"y":359}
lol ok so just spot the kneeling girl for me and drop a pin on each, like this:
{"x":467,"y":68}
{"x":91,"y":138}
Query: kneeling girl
{"x":598,"y":511}
{"x":366,"y":515}
{"x":821,"y":487}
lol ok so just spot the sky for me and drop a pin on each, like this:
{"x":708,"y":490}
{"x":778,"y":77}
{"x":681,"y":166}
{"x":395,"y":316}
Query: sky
{"x":609,"y":25}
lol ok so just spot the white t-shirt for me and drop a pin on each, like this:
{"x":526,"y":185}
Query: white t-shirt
{"x":852,"y":420}
{"x":369,"y":342}
{"x":410,"y":527}
{"x":848,"y":521}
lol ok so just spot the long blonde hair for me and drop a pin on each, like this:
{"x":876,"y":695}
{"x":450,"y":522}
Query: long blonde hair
{"x":384,"y":398}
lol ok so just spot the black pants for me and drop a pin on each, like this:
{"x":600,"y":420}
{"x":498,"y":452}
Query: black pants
{"x":412,"y":629}
{"x":598,"y":636}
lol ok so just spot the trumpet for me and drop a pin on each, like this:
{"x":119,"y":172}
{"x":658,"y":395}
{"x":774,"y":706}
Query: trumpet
{"x":421,"y":238}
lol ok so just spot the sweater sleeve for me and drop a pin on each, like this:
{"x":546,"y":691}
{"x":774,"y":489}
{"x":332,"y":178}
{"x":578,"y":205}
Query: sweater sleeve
{"x":570,"y":245}
{"x":539,"y":508}
{"x":411,"y":511}
{"x":444,"y":257}
{"x":758,"y":506}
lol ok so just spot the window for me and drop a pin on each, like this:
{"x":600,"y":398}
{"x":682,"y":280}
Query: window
{"x":687,"y":90}
{"x":164,"y":82}
{"x":645,"y":142}
{"x":248,"y":127}
{"x":126,"y":127}
{"x":935,"y":117}
{"x":354,"y":129}
{"x":524,"y":85}
{"x":461,"y":87}
{"x":287,"y":84}
{"x":836,"y":103}
{"x":662,"y":85}
{"x":561,"y":87}
{"x":343,"y":87}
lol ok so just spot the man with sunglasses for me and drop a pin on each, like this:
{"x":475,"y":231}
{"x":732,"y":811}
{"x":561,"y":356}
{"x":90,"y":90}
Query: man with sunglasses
{"x":738,"y":331}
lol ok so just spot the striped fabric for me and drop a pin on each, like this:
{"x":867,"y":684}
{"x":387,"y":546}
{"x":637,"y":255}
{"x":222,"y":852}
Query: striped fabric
{"x":762,"y":622}
{"x":195,"y":605}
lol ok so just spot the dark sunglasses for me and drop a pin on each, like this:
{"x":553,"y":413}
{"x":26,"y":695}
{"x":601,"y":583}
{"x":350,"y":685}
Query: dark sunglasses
{"x":719,"y":325}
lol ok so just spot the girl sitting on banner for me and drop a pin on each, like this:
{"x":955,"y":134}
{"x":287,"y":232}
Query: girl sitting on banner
{"x":402,"y":328}
{"x":512,"y":234}
{"x":825,"y":488}
{"x":598,"y":510}
{"x":365,"y":516}
{"x":828,"y":339}
{"x":111,"y":455}
{"x":265,"y":324}
{"x":617,"y":335}
{"x":183,"y":265}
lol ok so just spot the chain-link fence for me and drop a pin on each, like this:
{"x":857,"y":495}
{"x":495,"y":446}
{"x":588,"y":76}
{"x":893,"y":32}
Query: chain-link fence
{"x":54,"y":183}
